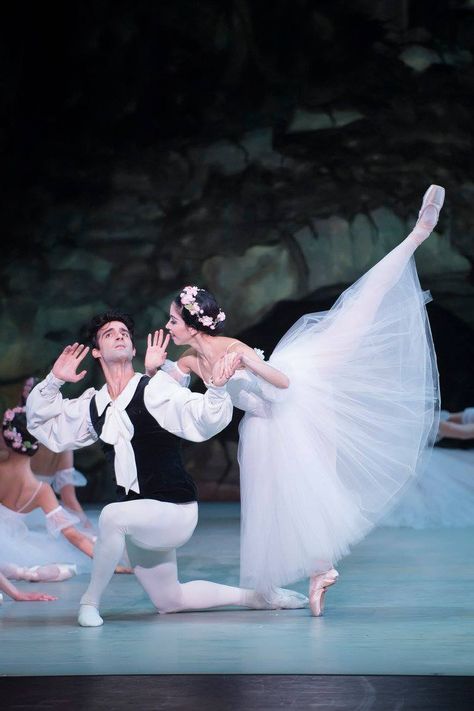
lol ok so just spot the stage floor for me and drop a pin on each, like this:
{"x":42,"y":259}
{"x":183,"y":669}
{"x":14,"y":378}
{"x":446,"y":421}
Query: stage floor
{"x":404,"y":605}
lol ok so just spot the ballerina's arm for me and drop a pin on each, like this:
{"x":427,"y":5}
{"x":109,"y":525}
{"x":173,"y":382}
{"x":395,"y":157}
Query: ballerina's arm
{"x":454,"y":430}
{"x":187,"y":363}
{"x":7,"y":587}
{"x":256,"y":365}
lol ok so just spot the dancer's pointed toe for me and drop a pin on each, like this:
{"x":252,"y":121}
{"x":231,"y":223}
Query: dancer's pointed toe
{"x":317,"y":590}
{"x":433,"y":201}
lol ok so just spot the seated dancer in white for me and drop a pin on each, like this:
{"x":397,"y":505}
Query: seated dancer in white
{"x":26,"y":554}
{"x":336,"y":421}
{"x":58,"y":470}
{"x":139,"y":421}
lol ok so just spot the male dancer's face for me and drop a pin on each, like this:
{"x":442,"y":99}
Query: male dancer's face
{"x":114,"y":343}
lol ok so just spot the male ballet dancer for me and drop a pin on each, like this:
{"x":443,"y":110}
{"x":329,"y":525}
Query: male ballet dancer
{"x":139,"y":421}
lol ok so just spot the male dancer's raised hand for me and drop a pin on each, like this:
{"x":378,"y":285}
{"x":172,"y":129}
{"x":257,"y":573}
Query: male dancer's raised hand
{"x":68,"y":362}
{"x":156,"y":353}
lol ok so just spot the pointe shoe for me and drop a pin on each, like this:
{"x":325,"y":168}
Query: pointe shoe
{"x":65,"y":571}
{"x":317,"y":590}
{"x":431,"y":206}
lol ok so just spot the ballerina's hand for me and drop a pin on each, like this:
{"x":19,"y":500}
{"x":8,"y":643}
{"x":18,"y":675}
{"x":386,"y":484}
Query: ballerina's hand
{"x":66,"y":365}
{"x":241,"y":361}
{"x":224,"y":369}
{"x":156,"y":351}
{"x":34,"y":597}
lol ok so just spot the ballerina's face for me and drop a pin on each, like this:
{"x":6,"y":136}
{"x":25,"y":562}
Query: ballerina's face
{"x":179,"y":331}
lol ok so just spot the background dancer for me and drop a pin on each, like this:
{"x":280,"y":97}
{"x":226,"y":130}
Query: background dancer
{"x":21,"y":493}
{"x":58,"y":470}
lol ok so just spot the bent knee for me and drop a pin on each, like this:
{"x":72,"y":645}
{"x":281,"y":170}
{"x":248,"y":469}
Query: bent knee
{"x":109,"y":517}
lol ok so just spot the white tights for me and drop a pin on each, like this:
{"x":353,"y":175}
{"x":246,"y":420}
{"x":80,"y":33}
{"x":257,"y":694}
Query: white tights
{"x":151,"y":531}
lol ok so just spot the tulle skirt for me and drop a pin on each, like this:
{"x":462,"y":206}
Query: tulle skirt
{"x":443,"y":496}
{"x":320,"y":468}
{"x":27,"y":545}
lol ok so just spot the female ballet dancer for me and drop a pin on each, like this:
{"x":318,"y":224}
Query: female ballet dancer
{"x":57,"y":469}
{"x":23,"y":552}
{"x":336,"y":421}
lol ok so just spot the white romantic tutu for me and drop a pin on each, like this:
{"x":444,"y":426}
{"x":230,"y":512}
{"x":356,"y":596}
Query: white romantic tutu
{"x":320,"y":466}
{"x":443,"y":496}
{"x":27,"y":546}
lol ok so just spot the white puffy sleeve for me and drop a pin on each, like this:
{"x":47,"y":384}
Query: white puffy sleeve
{"x":57,"y":422}
{"x":173,"y":369}
{"x":186,"y":414}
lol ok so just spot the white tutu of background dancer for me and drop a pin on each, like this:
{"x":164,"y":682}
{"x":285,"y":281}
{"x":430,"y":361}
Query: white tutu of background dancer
{"x":443,"y":496}
{"x":321,"y":461}
{"x":21,"y":548}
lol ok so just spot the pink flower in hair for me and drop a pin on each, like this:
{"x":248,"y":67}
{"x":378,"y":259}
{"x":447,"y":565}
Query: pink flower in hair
{"x":207,"y":321}
{"x":193,"y":308}
{"x":8,"y":416}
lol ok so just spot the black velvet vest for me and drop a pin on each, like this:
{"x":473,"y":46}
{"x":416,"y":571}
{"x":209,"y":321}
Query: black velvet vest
{"x":161,"y":474}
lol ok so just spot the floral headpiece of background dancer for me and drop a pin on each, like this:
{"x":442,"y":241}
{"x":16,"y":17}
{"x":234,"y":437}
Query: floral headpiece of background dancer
{"x":200,"y":310}
{"x":15,"y":433}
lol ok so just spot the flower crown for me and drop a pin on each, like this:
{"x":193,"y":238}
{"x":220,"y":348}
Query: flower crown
{"x":188,"y":301}
{"x":11,"y":433}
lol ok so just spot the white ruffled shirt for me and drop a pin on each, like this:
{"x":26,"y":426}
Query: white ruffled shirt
{"x":61,"y":424}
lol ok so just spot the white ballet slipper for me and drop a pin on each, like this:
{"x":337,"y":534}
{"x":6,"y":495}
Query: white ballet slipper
{"x":89,"y":616}
{"x":282,"y":599}
{"x":278,"y":599}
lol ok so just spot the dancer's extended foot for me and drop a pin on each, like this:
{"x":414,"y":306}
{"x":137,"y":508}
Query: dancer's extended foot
{"x":277,"y":599}
{"x":317,"y":590}
{"x":89,"y":616}
{"x":282,"y":599}
{"x":428,"y":216}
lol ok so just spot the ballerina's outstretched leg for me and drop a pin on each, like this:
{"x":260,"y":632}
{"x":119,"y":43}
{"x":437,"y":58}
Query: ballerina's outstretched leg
{"x":348,"y":327}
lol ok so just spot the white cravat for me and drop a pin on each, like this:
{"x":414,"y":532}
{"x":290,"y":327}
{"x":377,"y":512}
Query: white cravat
{"x":118,"y":431}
